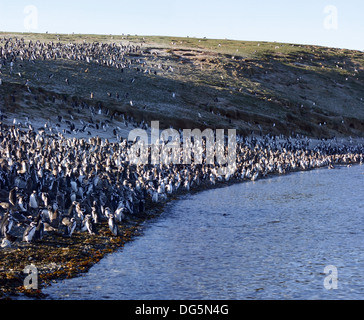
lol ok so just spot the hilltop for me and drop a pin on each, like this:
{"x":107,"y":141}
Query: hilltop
{"x":254,"y":87}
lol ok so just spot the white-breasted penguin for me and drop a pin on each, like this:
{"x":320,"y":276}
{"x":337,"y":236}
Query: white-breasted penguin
{"x":112,"y":225}
{"x":22,"y":205}
{"x":29,"y":232}
{"x":95,"y":215}
{"x":72,"y":226}
{"x":90,"y":226}
{"x":119,"y":213}
{"x":33,"y":201}
{"x":6,"y":224}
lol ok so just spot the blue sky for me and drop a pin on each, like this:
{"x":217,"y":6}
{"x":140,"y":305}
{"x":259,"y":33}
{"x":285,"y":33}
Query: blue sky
{"x":261,"y":20}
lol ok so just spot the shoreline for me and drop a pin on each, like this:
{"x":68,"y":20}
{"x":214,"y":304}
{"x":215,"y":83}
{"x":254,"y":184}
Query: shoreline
{"x":74,"y":249}
{"x":57,"y":257}
{"x":69,"y":104}
{"x":70,"y":258}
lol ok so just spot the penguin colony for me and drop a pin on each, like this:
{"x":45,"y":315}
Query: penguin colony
{"x":55,"y":184}
{"x":14,"y":53}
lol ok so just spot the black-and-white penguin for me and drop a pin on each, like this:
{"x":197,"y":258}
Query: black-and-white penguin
{"x":39,"y":230}
{"x":107,"y":212}
{"x":6,"y":224}
{"x":79,"y":211}
{"x":45,"y":199}
{"x":22,"y":205}
{"x":119,"y":213}
{"x":90,"y":226}
{"x":112,"y":225}
{"x":30,"y":232}
{"x":33,"y":201}
{"x":12,"y":196}
{"x":95,"y":215}
{"x":70,"y":226}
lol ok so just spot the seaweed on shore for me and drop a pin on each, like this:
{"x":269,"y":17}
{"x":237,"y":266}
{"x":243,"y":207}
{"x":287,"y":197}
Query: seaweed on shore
{"x":57,"y":257}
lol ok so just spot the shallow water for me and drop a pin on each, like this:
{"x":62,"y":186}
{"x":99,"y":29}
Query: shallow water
{"x":269,"y":239}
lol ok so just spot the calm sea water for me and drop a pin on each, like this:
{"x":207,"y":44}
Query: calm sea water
{"x":269,"y":239}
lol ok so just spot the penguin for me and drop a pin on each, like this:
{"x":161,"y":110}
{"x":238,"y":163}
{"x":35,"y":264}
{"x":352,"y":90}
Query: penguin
{"x":112,"y":225}
{"x":255,"y":176}
{"x":90,"y":226}
{"x":5,"y":243}
{"x":155,"y":197}
{"x":70,"y":227}
{"x":29,"y":232}
{"x":45,"y":199}
{"x":6,"y":224}
{"x":48,"y":227}
{"x":187,"y":185}
{"x":79,"y":211}
{"x":46,"y":213}
{"x":95,"y":215}
{"x":12,"y":196}
{"x":21,"y":204}
{"x":130,"y":206}
{"x":74,"y":186}
{"x":107,"y":212}
{"x":39,"y":230}
{"x":169,"y":187}
{"x":119,"y":213}
{"x":33,"y":202}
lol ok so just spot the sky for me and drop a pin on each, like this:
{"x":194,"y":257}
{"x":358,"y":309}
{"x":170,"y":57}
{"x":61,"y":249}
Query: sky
{"x":333,"y":23}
